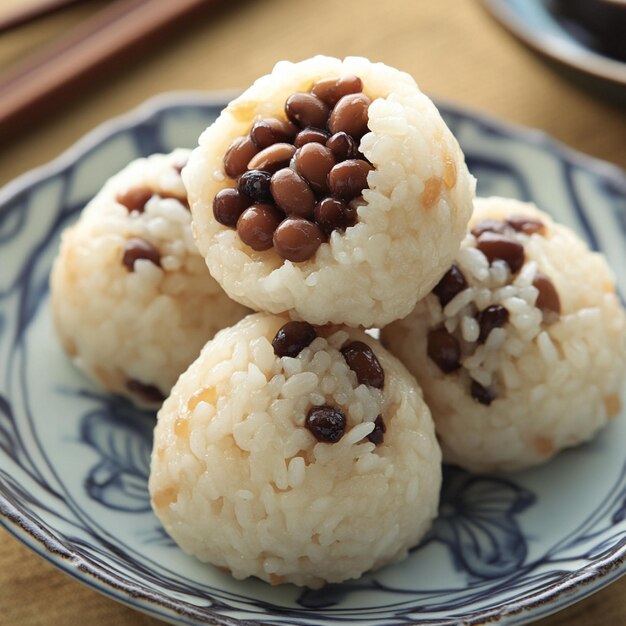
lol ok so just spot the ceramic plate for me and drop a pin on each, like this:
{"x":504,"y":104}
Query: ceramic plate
{"x":538,"y":27}
{"x":74,"y":462}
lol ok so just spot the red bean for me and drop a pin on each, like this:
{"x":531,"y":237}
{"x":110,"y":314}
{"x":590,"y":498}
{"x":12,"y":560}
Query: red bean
{"x":526,"y":224}
{"x":137,"y":248}
{"x":493,"y":316}
{"x":331,"y":90}
{"x":135,"y":198}
{"x":297,"y":239}
{"x":326,"y":423}
{"x":305,"y":109}
{"x":343,"y":146}
{"x":348,"y":178}
{"x":310,"y":135}
{"x":481,"y":394}
{"x":238,"y":155}
{"x":452,"y":283}
{"x":350,"y":115}
{"x":495,"y":246}
{"x":548,"y":299}
{"x":332,"y":214}
{"x":228,"y":205}
{"x":272,"y":158}
{"x":313,"y":162}
{"x":377,"y":436}
{"x":267,"y":132}
{"x":292,"y":338}
{"x":363,"y":362}
{"x":257,"y":224}
{"x":292,"y":194}
{"x":444,"y":349}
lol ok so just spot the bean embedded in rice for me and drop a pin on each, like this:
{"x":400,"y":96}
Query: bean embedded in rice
{"x":272,"y":459}
{"x":348,"y":196}
{"x":132,"y":299}
{"x":521,"y":347}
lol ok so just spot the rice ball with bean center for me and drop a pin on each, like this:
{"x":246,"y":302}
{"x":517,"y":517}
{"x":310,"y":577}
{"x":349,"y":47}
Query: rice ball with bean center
{"x":132,"y":299}
{"x":295,"y":454}
{"x":521,"y":347}
{"x":330,"y":190}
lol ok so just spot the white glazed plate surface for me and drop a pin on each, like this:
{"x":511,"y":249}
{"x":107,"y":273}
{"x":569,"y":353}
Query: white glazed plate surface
{"x":74,"y":462}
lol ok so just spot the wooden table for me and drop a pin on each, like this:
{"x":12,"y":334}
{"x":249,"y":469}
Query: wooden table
{"x":455,"y":51}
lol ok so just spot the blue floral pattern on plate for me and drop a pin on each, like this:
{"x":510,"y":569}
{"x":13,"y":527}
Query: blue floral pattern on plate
{"x":74,"y":462}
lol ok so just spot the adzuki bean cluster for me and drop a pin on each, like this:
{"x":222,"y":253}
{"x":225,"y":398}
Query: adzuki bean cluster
{"x":297,"y":178}
{"x":497,"y":240}
{"x":327,"y":423}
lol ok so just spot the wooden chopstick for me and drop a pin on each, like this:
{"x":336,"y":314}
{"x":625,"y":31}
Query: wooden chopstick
{"x":31,"y":12}
{"x":116,"y":34}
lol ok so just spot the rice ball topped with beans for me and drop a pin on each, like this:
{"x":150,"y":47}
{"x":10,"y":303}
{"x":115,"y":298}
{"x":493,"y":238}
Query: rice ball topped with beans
{"x":132,"y":299}
{"x":331,"y":191}
{"x":521,"y":347}
{"x":295,"y":453}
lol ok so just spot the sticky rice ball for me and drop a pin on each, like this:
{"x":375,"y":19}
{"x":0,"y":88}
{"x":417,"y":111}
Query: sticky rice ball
{"x":330,"y":190}
{"x":295,"y":454}
{"x":521,"y":347}
{"x":132,"y":299}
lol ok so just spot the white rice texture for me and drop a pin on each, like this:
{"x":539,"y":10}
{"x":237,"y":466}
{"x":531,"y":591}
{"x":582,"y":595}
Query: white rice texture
{"x":239,"y":481}
{"x":410,"y":223}
{"x":556,"y":383}
{"x":149,"y":324}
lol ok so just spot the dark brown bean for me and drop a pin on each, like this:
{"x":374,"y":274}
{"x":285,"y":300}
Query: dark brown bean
{"x":269,"y":131}
{"x":228,"y":205}
{"x":482,"y":394}
{"x":331,"y":90}
{"x":377,"y":436}
{"x":257,"y":224}
{"x":292,"y":194}
{"x":444,"y":349}
{"x":363,"y":362}
{"x":548,"y":299}
{"x":452,"y":283}
{"x":489,"y":226}
{"x":135,"y":198}
{"x":148,"y":393}
{"x":492,"y":317}
{"x":314,"y":162}
{"x":525,"y":224}
{"x":256,"y":185}
{"x":311,"y":135}
{"x":137,"y":248}
{"x":272,"y":158}
{"x":350,"y":115}
{"x":348,"y":179}
{"x":495,"y":246}
{"x":305,"y":109}
{"x":292,"y":338}
{"x":238,"y":155}
{"x":332,"y":214}
{"x":327,"y":423}
{"x":343,"y":146}
{"x":297,"y":239}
